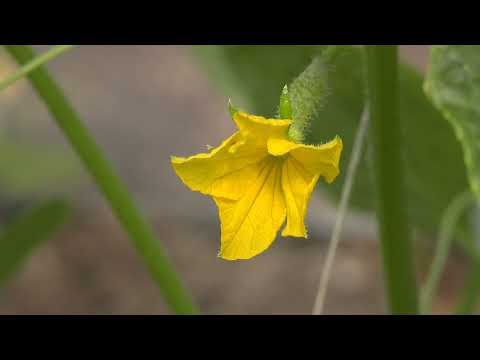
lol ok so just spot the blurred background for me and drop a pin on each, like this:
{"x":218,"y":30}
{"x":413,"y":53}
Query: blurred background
{"x":143,"y":104}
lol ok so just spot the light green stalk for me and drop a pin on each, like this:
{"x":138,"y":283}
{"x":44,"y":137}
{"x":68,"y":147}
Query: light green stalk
{"x":447,"y":228}
{"x":109,"y":183}
{"x":33,"y":64}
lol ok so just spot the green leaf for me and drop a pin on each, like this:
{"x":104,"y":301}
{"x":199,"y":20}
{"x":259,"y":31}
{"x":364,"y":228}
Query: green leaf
{"x":453,"y":84}
{"x":256,"y":74}
{"x":431,"y":151}
{"x":20,"y":238}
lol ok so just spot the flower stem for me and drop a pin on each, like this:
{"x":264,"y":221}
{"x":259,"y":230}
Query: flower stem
{"x":112,"y":187}
{"x":394,"y":230}
{"x":355,"y":158}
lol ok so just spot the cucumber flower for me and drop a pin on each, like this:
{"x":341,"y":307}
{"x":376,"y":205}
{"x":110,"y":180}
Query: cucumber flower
{"x":259,"y":178}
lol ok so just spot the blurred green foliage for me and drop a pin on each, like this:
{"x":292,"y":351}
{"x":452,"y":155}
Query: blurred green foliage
{"x":30,"y":165}
{"x":28,"y":169}
{"x":254,"y":75}
{"x":19,"y":238}
{"x":453,"y":84}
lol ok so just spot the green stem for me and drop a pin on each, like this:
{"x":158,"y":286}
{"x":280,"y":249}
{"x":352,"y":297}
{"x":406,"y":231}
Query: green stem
{"x":447,"y":231}
{"x":32,"y":65}
{"x":113,"y":189}
{"x":394,"y":230}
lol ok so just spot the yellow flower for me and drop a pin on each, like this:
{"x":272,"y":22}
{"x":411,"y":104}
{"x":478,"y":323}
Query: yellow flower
{"x":259,"y":178}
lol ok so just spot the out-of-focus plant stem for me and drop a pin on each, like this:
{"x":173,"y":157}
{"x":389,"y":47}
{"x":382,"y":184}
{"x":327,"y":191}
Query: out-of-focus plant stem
{"x":33,"y":64}
{"x":355,"y":158}
{"x":447,"y":229}
{"x":111,"y":186}
{"x":469,"y":297}
{"x":394,"y":230}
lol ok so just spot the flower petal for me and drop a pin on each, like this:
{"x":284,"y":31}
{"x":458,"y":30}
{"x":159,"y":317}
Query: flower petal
{"x":250,"y":225}
{"x":301,"y":170}
{"x":323,"y":158}
{"x":227,"y":171}
{"x":280,"y":147}
{"x":260,"y":128}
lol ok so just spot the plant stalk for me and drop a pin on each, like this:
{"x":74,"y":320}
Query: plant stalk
{"x":33,"y":64}
{"x":110,"y":184}
{"x":388,"y":166}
